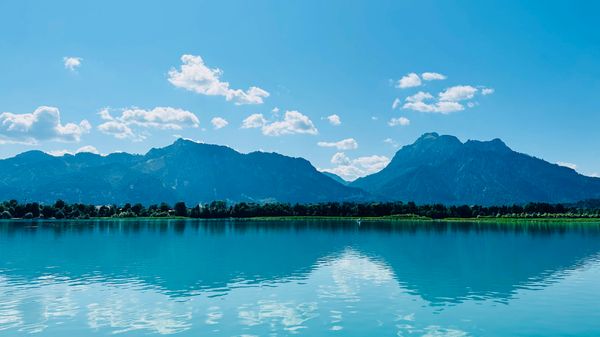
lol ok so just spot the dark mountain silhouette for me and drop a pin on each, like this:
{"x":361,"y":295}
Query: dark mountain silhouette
{"x":442,"y":169}
{"x":435,"y":169}
{"x":184,"y":171}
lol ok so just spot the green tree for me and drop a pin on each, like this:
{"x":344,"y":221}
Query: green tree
{"x":180,"y":209}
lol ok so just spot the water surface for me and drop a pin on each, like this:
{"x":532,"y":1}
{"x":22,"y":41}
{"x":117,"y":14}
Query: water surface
{"x":306,"y":278}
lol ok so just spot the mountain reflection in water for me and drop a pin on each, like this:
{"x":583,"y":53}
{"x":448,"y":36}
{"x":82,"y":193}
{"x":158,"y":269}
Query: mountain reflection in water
{"x":235,"y":278}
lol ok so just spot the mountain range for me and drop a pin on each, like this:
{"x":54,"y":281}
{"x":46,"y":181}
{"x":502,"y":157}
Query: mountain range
{"x":442,"y":169}
{"x":434,"y":169}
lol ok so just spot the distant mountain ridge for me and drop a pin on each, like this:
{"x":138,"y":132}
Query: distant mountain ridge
{"x":184,"y":171}
{"x":442,"y":169}
{"x":434,"y":169}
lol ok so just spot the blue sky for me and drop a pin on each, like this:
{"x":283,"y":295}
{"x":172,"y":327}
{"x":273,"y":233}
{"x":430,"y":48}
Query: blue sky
{"x":123,"y":76}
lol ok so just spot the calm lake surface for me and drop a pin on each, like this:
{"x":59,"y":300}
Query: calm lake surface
{"x":306,"y":278}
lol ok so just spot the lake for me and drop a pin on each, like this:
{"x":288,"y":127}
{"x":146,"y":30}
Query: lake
{"x":305,"y":278}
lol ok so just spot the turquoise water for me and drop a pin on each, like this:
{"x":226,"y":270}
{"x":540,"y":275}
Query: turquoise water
{"x":225,"y":278}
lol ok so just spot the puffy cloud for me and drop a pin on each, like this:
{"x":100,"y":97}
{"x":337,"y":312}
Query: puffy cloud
{"x":293,"y":122}
{"x":416,"y":102}
{"x":419,"y":97}
{"x":194,"y":75}
{"x":118,"y":130}
{"x":569,"y":165}
{"x":42,"y":124}
{"x":439,"y":107}
{"x":165,"y":118}
{"x":340,"y":158}
{"x":396,"y":103}
{"x":72,"y":63}
{"x":334,"y":120}
{"x":487,"y":91}
{"x":219,"y":123}
{"x":458,"y":93}
{"x":432,"y":76}
{"x":402,"y":121}
{"x":409,"y":81}
{"x":254,"y":121}
{"x":344,"y":144}
{"x":350,"y":169}
{"x":87,"y":148}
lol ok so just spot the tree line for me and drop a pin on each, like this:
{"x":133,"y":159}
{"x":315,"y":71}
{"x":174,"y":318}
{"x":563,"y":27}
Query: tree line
{"x":220,"y":209}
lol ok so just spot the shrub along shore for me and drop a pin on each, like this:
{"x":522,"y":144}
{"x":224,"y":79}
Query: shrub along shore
{"x":12,"y":209}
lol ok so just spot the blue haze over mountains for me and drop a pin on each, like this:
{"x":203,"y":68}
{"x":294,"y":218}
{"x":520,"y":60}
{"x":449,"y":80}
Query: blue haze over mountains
{"x":434,"y":169}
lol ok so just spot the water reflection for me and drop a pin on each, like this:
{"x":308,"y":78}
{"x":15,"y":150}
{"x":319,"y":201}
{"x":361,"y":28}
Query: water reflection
{"x":232,"y":278}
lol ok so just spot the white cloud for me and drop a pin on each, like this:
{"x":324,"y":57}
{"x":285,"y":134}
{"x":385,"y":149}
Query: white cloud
{"x":458,"y":93}
{"x":219,"y":123}
{"x":119,"y":130}
{"x":447,"y":101}
{"x":487,"y":91}
{"x":334,"y":120}
{"x":196,"y":76}
{"x":344,"y":144}
{"x":293,"y":122}
{"x":433,"y":76}
{"x":340,"y":158}
{"x":419,"y":97}
{"x":42,"y":124}
{"x":416,"y":102}
{"x":402,"y":121}
{"x":391,"y":142}
{"x":396,"y":103}
{"x":569,"y":165}
{"x":350,"y":169}
{"x":164,"y":118}
{"x":409,"y":81}
{"x":87,"y":148}
{"x":72,"y":63}
{"x":254,"y":121}
{"x":275,"y":110}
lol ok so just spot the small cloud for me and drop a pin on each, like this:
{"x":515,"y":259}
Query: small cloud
{"x":409,"y":81}
{"x":374,"y":118}
{"x":419,"y":97}
{"x":293,"y":122}
{"x":351,"y":169}
{"x":219,"y":123}
{"x":487,"y":91}
{"x":334,"y":120}
{"x":275,"y":110}
{"x":402,"y":121}
{"x":194,"y":75}
{"x":391,"y":142}
{"x":433,"y":76}
{"x":458,"y":93}
{"x":344,"y":144}
{"x":396,"y":103}
{"x":569,"y":165}
{"x":72,"y":63}
{"x":417,"y":102}
{"x":254,"y":121}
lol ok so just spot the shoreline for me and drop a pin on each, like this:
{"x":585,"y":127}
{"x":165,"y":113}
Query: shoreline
{"x":323,"y":218}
